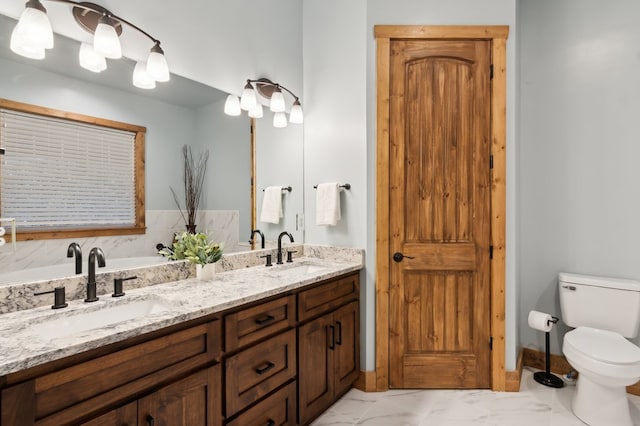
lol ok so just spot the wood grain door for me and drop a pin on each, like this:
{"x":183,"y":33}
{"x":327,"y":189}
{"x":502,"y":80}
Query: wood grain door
{"x":439,"y":214}
{"x":347,"y":343}
{"x":315,"y":372}
{"x":192,"y":401}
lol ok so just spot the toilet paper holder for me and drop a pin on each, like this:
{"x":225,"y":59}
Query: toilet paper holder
{"x":545,"y":377}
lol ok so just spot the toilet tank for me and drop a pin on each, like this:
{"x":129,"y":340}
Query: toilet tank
{"x":606,"y":303}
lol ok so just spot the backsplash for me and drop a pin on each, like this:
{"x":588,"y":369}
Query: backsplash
{"x":220,"y":225}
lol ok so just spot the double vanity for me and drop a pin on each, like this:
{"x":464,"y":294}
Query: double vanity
{"x":255,"y":345}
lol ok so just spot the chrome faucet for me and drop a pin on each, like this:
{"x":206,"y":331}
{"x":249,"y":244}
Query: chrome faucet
{"x":74,"y":249}
{"x":96,"y":253}
{"x":279,"y":254}
{"x":254,"y":232}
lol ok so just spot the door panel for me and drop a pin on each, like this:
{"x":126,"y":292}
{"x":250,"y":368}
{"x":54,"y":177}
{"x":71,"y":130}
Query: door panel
{"x":346,"y":355}
{"x":315,"y":367}
{"x":439,"y":214}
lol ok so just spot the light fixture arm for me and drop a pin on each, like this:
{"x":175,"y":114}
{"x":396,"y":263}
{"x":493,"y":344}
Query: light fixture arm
{"x":267,"y":82}
{"x":109,"y":14}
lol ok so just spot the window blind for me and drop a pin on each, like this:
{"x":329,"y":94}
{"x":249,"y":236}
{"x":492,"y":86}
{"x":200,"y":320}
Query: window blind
{"x":59,"y":173}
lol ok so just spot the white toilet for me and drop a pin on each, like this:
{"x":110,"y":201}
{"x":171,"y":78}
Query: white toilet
{"x":603,"y":311}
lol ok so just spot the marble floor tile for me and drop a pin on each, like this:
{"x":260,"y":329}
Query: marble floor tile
{"x":534,"y":405}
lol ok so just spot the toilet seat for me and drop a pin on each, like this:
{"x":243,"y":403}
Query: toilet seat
{"x":602,"y":352}
{"x":602,"y":345}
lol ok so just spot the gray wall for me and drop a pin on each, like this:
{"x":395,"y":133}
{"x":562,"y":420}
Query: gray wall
{"x":228,"y":178}
{"x":579,"y":101}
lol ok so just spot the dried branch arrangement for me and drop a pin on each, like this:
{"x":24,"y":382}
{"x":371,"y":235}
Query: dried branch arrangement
{"x":193,"y":182}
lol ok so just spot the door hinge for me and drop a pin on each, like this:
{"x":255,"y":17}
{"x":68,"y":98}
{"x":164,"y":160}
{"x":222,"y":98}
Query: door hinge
{"x":491,"y":71}
{"x":490,"y":343}
{"x":491,"y":161}
{"x":490,"y":252}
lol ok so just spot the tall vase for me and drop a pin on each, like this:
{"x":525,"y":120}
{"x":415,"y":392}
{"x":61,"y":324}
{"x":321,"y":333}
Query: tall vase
{"x":206,"y":271}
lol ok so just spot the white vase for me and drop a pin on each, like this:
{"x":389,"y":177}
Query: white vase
{"x":206,"y":271}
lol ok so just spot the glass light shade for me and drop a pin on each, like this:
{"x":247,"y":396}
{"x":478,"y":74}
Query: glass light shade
{"x":157,"y":66}
{"x":248,"y":99}
{"x":141,"y":77}
{"x":17,"y":46}
{"x":232,"y":106}
{"x":277,"y":101}
{"x":296,"y":116}
{"x":105,"y":39}
{"x":33,"y":31}
{"x":279,"y":120}
{"x":90,"y":59}
{"x":256,"y":111}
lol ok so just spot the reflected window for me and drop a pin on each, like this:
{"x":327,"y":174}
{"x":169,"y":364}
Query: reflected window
{"x":65,"y":175}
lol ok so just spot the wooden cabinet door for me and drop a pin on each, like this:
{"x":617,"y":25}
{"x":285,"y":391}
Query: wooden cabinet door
{"x":347,"y":342}
{"x":315,"y":373}
{"x":127,"y":415}
{"x":192,"y":401}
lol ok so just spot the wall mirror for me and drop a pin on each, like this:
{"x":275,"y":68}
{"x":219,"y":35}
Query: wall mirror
{"x":175,"y":113}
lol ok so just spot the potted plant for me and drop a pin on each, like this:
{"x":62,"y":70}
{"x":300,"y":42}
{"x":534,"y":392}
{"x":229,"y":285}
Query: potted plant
{"x":193,"y":179}
{"x":197,"y":249}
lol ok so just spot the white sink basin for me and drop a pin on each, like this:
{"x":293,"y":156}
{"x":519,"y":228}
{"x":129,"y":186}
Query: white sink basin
{"x":107,"y":315}
{"x":299,"y":269}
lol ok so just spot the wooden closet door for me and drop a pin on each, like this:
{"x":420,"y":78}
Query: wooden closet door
{"x":440,"y":214}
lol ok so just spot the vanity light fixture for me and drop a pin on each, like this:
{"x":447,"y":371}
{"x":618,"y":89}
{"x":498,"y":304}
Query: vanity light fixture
{"x":33,"y":35}
{"x":273,"y":93}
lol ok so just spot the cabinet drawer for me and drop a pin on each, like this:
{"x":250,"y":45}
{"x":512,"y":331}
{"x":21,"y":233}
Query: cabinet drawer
{"x":278,"y":409}
{"x":256,"y":371}
{"x":73,"y":392}
{"x":327,"y":296}
{"x":251,"y":324}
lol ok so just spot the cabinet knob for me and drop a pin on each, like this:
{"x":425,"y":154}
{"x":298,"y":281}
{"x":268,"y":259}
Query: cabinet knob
{"x":270,"y":422}
{"x":150,"y":420}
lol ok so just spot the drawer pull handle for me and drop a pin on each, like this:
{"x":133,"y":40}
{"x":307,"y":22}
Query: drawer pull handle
{"x":150,"y":420}
{"x":265,"y":319}
{"x":270,"y":423}
{"x":339,"y":340}
{"x":332,"y":342}
{"x":268,"y":366}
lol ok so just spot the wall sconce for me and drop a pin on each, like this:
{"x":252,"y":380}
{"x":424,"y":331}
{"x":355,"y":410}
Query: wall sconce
{"x":271,"y":91}
{"x":33,"y":35}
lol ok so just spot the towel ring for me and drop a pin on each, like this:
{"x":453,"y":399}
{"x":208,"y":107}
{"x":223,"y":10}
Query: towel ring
{"x":345,"y":186}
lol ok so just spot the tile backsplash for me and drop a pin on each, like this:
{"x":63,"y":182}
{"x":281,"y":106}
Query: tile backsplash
{"x":220,"y":225}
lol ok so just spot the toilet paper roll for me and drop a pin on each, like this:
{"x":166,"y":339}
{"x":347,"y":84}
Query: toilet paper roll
{"x":2,"y":241}
{"x":540,"y":321}
{"x":2,"y":231}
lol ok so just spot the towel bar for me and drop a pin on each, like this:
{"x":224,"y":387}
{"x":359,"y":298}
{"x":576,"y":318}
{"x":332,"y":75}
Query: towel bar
{"x":345,"y":186}
{"x":285,"y":188}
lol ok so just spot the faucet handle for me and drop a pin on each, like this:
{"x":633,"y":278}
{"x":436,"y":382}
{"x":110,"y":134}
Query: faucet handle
{"x":59,"y":297}
{"x":117,"y":286}
{"x":268,"y":257}
{"x":289,"y":255}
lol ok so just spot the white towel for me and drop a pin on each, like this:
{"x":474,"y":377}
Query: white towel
{"x":328,"y":204}
{"x":271,"y":205}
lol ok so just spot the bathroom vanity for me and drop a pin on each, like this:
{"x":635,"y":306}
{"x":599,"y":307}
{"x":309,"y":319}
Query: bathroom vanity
{"x":263,"y":346}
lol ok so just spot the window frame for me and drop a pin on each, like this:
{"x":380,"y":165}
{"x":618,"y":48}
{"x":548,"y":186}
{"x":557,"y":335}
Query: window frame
{"x":139,"y":159}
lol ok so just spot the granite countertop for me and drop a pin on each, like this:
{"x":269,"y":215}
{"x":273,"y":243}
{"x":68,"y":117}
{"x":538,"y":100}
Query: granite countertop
{"x":36,"y":336}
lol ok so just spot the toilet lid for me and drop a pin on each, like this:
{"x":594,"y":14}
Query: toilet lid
{"x":603,"y":345}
